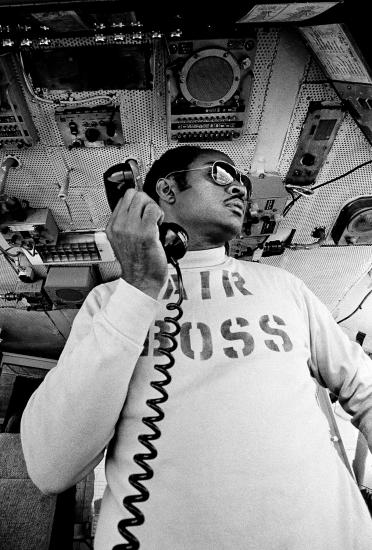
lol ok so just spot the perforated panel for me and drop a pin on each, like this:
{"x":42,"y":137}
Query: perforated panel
{"x":315,"y":72}
{"x":143,"y":119}
{"x":267,"y":43}
{"x":158,"y":120}
{"x":327,"y":271}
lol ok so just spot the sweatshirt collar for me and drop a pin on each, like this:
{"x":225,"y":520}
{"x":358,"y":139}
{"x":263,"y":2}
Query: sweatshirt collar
{"x":203,"y":258}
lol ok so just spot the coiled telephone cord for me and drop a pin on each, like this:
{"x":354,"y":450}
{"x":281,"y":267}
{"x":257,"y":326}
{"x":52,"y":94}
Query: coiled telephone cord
{"x":151,"y":422}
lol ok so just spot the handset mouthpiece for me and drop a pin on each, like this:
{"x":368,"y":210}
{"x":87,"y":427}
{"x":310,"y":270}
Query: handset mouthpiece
{"x":174,"y":240}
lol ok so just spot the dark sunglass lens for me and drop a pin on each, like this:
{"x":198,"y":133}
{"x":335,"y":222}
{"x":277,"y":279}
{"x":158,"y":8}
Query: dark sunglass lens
{"x":223,"y":173}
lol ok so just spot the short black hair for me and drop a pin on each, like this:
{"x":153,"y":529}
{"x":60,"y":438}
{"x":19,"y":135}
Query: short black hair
{"x":177,"y":158}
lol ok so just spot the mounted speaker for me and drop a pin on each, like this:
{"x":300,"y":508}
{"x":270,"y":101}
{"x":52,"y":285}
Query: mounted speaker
{"x":209,"y":84}
{"x":354,"y":223}
{"x":69,"y":286}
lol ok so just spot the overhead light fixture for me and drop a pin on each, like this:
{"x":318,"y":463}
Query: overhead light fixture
{"x":44,"y":41}
{"x":8,"y":42}
{"x":138,"y":35}
{"x":99,"y":38}
{"x":26,"y":42}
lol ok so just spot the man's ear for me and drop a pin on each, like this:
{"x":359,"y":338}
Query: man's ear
{"x":165,"y":190}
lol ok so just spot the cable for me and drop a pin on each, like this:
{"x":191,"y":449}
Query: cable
{"x":295,"y":199}
{"x":319,"y":232}
{"x":141,"y":459}
{"x":289,"y":206}
{"x":6,"y":253}
{"x":305,"y":191}
{"x":343,"y":175}
{"x":8,"y":259}
{"x":302,"y":192}
{"x":356,"y":309}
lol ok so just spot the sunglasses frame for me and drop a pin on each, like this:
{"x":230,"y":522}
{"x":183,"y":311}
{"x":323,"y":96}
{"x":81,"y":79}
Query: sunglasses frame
{"x":238,"y":175}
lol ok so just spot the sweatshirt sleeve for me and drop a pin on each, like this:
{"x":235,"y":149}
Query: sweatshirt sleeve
{"x":71,"y":417}
{"x":340,"y":364}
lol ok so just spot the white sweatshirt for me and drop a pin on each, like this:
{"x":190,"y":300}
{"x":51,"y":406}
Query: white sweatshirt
{"x":245,"y":460}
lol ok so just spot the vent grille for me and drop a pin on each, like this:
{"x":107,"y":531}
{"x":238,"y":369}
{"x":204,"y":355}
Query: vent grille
{"x":210,"y":79}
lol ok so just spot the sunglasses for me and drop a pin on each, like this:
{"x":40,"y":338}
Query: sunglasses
{"x":222,"y":173}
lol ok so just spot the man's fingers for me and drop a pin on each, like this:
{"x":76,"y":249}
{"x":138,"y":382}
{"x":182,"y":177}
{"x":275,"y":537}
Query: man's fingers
{"x":139,"y":204}
{"x":133,"y":210}
{"x":128,"y":209}
{"x":152,"y":215}
{"x":124,"y":203}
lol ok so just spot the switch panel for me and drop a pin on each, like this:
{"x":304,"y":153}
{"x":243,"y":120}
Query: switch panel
{"x":317,"y":135}
{"x":34,"y":294}
{"x":97,"y":126}
{"x":38,"y":228}
{"x":358,"y":100}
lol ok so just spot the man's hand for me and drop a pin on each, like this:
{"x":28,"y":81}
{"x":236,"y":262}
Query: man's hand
{"x":133,"y":231}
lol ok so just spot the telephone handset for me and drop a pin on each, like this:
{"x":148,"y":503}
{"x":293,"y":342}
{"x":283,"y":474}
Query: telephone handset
{"x":121,"y":177}
{"x":174,"y":239}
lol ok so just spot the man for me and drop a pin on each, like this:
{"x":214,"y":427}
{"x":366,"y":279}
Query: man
{"x":245,"y":460}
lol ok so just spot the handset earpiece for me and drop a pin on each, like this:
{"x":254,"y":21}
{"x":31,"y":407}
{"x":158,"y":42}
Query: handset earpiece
{"x":118,"y":179}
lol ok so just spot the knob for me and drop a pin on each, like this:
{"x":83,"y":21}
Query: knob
{"x":73,"y":128}
{"x":76,"y":143}
{"x":92,"y":134}
{"x":350,"y":239}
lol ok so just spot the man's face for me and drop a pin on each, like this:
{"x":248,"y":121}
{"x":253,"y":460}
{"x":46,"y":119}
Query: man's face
{"x":210,"y":213}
